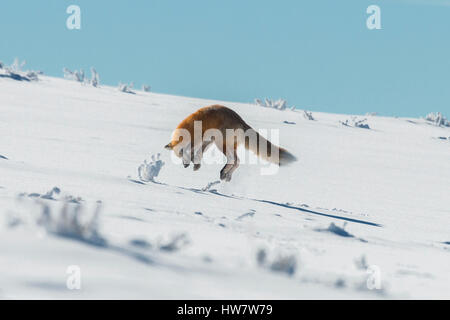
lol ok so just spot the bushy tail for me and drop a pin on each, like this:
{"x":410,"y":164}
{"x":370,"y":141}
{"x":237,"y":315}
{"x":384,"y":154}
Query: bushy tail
{"x":286,"y":157}
{"x":268,"y":151}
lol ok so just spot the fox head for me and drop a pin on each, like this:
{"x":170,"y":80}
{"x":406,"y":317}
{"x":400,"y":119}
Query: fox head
{"x":181,"y":145}
{"x":176,"y":148}
{"x":180,"y":152}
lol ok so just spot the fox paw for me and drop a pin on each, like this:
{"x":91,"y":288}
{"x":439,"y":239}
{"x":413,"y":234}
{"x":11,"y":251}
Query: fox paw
{"x":225,"y":176}
{"x":196,"y":166}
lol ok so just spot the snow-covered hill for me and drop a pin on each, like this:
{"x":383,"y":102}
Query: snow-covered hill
{"x":360,"y":205}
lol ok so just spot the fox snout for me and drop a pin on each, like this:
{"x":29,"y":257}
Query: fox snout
{"x":178,"y":151}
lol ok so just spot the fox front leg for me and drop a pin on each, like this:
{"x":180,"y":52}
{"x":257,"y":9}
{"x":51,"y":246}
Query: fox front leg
{"x":198,"y":154}
{"x":186,"y":158}
{"x":196,"y":159}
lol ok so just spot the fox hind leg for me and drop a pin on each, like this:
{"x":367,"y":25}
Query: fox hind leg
{"x":232,"y":164}
{"x":232,"y":169}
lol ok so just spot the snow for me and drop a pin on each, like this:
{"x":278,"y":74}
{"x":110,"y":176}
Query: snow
{"x":356,"y":200}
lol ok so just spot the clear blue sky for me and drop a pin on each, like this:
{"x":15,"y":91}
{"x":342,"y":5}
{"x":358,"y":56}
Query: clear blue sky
{"x":317,"y":54}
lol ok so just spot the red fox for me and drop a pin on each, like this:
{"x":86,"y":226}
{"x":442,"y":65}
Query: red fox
{"x":226,"y":129}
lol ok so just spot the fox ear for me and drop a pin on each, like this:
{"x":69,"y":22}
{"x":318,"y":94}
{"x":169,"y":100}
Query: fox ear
{"x":168,"y":146}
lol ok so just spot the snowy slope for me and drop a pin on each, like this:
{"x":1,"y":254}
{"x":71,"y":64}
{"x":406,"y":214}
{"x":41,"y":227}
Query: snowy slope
{"x":356,"y":200}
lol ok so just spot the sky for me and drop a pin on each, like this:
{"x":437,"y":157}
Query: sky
{"x":318,"y":55}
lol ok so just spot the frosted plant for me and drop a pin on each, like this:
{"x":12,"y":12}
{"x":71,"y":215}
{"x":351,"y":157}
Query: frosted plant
{"x":32,"y":75}
{"x":17,"y":66}
{"x":176,"y":242}
{"x":286,"y":264}
{"x":60,"y":215}
{"x":360,"y":123}
{"x":361,"y":263}
{"x":14,"y":71}
{"x":210,"y":184}
{"x":259,"y":102}
{"x":279,"y":104}
{"x":80,"y":75}
{"x":50,"y":194}
{"x":124,"y":87}
{"x":355,"y":122}
{"x":70,"y":223}
{"x":437,"y":119}
{"x":76,"y":75}
{"x":67,"y":73}
{"x":149,"y":170}
{"x":308,"y":115}
{"x":344,"y":123}
{"x":95,"y":79}
{"x":283,"y":262}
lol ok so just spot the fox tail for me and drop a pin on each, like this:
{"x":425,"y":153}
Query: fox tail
{"x":268,"y":151}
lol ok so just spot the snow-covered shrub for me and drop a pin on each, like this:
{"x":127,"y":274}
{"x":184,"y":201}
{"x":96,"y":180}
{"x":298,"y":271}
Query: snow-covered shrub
{"x":17,"y":66}
{"x":361,"y":263}
{"x":210,"y":184}
{"x":59,"y":214}
{"x":124,"y":87}
{"x":286,"y":264}
{"x":345,"y":123}
{"x":175,"y":243}
{"x":146,"y":88}
{"x":32,"y":75}
{"x":437,"y":119}
{"x":308,"y":115}
{"x":279,"y":104}
{"x":77,"y":75}
{"x":14,"y":71}
{"x":360,"y":123}
{"x":95,"y":78}
{"x":282,"y":262}
{"x":355,"y":122}
{"x":149,"y":170}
